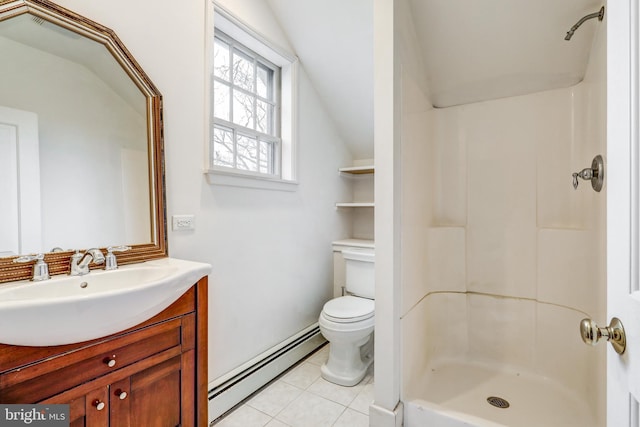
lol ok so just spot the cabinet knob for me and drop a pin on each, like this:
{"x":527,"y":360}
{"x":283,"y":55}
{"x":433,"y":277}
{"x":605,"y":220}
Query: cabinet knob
{"x":98,"y":404}
{"x":110,"y":361}
{"x":121,"y":394}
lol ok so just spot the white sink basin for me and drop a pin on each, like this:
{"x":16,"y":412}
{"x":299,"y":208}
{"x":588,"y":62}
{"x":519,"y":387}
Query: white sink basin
{"x":70,"y":309}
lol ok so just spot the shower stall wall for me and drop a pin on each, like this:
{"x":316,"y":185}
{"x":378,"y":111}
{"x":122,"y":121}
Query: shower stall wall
{"x":501,"y":257}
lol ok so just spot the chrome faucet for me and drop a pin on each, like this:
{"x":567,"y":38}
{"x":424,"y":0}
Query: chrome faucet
{"x":80,"y":261}
{"x":112,"y":262}
{"x":40,"y":268}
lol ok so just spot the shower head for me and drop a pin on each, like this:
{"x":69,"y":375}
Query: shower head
{"x":599,"y":15}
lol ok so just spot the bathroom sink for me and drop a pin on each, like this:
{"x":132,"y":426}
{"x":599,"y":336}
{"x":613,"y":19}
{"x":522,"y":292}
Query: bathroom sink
{"x":71,"y":309}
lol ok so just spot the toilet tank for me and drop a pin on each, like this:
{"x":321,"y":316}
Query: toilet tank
{"x":360,"y":272}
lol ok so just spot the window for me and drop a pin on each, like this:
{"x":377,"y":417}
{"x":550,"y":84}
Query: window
{"x":245,"y":110}
{"x":252,"y":105}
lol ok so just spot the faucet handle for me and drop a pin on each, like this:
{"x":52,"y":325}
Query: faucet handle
{"x":122,"y":248}
{"x":40,"y":268}
{"x":111,"y":260}
{"x":29,"y":258}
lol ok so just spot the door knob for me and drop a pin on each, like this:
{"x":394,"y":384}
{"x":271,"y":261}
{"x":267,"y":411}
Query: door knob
{"x":595,"y":174}
{"x":614,"y":333}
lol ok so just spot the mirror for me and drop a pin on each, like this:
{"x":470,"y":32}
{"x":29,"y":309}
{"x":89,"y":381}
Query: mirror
{"x":81,"y":159}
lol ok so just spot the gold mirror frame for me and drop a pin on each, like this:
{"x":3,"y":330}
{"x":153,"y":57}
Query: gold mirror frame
{"x":59,"y":261}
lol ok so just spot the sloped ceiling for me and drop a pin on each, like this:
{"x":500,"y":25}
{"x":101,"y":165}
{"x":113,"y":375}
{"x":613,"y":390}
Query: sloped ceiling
{"x":478,"y":50}
{"x":474,"y":50}
{"x":53,"y":39}
{"x":334,"y":41}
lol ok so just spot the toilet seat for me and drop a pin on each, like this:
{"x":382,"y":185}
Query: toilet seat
{"x":348,"y":309}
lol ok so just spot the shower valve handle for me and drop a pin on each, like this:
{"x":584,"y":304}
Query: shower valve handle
{"x":614,"y":333}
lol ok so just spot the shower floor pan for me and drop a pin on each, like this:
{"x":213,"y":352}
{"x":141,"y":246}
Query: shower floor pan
{"x":456,"y":394}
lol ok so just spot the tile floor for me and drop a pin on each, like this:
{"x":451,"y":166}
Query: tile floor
{"x":301,"y":398}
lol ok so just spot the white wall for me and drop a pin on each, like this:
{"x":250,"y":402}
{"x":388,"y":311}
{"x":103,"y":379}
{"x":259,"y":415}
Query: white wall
{"x":502,"y":257}
{"x":395,"y":44}
{"x":270,"y":250}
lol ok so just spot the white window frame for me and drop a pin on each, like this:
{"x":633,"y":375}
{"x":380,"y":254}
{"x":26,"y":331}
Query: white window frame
{"x":287,"y":153}
{"x":270,"y":136}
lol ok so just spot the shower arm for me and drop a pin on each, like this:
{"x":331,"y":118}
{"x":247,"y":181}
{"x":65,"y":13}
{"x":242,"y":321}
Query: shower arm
{"x":599,"y":15}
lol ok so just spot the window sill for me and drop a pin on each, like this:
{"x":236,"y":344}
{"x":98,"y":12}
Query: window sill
{"x":236,"y":179}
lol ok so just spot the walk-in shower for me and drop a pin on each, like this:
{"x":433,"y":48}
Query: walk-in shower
{"x":501,"y":257}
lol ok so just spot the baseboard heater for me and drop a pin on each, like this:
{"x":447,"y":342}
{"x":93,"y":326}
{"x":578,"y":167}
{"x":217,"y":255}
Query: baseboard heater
{"x":232,"y":388}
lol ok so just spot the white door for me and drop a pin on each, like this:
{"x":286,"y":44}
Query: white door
{"x":10,"y":212}
{"x":623,"y":252}
{"x":20,"y":216}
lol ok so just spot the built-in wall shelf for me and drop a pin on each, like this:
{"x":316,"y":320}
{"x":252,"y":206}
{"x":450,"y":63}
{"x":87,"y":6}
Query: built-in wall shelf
{"x":358,"y":205}
{"x":355,"y":205}
{"x":358,"y":170}
{"x":353,"y":243}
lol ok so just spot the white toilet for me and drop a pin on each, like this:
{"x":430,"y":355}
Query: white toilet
{"x":347,"y":322}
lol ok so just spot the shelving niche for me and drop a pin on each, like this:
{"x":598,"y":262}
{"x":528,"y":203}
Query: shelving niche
{"x":360,"y":209}
{"x":360,"y":178}
{"x":362,"y":186}
{"x":358,"y":170}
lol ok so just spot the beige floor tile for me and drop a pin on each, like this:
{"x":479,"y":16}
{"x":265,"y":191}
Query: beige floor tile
{"x":244,"y":416}
{"x":320,"y":356}
{"x":310,"y":410}
{"x":352,"y":418}
{"x":274,"y":398}
{"x":303,"y":375}
{"x":301,"y":398}
{"x":363,"y":400}
{"x":334,"y":392}
{"x":276,"y":423}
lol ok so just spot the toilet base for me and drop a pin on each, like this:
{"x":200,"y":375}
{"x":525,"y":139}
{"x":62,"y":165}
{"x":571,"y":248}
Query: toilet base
{"x":347,"y":366}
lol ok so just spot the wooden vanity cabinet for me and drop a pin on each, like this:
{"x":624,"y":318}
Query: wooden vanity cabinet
{"x":152,"y":375}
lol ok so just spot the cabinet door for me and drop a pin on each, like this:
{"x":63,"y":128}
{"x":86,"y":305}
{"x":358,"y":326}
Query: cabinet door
{"x":86,"y":409}
{"x":97,"y":408}
{"x":120,"y":403}
{"x":156,"y":396}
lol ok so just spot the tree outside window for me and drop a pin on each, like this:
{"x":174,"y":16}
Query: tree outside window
{"x":245,"y":134}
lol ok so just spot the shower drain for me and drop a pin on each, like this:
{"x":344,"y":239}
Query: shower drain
{"x":498,"y":402}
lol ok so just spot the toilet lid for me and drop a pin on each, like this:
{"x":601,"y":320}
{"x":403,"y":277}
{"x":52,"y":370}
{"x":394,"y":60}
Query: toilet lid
{"x":349,"y":309}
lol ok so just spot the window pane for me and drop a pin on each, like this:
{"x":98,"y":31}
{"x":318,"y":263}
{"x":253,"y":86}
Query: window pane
{"x":221,"y":59}
{"x":264,"y":117}
{"x":243,"y":73}
{"x":221,"y":101}
{"x":222,"y":147}
{"x":267,"y":156}
{"x":247,"y":158}
{"x":243,"y":109}
{"x":264,"y":82}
